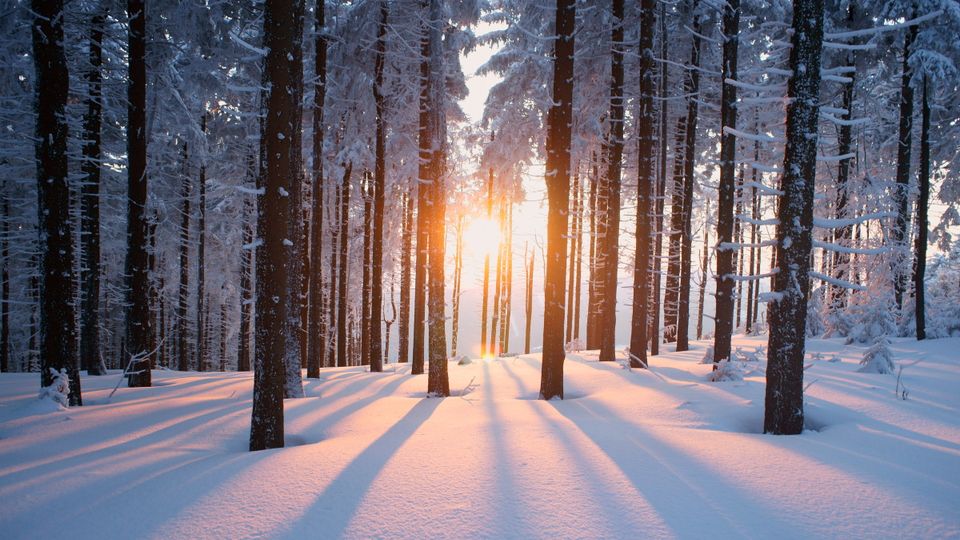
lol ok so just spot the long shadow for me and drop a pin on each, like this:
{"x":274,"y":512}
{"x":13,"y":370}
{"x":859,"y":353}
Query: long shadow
{"x":335,"y":507}
{"x":340,"y":413}
{"x":509,"y":516}
{"x":666,"y":477}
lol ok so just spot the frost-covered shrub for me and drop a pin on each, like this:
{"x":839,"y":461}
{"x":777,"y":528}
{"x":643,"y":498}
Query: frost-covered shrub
{"x":942,"y":306}
{"x":727,"y":371}
{"x":878,"y":358}
{"x":740,"y":355}
{"x":59,"y":389}
{"x":574,"y":346}
{"x":707,"y":355}
{"x":872,"y":313}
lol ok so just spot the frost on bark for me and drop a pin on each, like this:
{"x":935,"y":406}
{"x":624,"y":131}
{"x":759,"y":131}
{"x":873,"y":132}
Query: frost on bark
{"x":646,"y":178}
{"x":783,"y":414}
{"x":559,"y":120}
{"x":275,"y":250}
{"x":57,"y":328}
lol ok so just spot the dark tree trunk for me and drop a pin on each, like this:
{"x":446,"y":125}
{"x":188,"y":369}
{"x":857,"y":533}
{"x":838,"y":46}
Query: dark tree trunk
{"x":571,"y":265}
{"x":646,"y":178}
{"x":672,"y":293}
{"x":90,"y":357}
{"x":920,"y":262}
{"x":904,"y":147}
{"x":406,"y":243}
{"x":379,"y":187}
{"x":316,"y":329}
{"x":661,"y":190}
{"x":610,"y":245}
{"x":423,"y":198}
{"x":438,"y":383}
{"x":223,"y":331}
{"x":578,"y":260}
{"x":507,"y":285}
{"x":497,"y":288}
{"x":344,"y":227}
{"x":728,"y":152}
{"x":365,"y":321}
{"x":559,"y":121}
{"x":592,"y":340}
{"x":136,"y":268}
{"x":183,"y":291}
{"x":783,"y":413}
{"x":282,"y":69}
{"x":704,"y":266}
{"x":333,"y":305}
{"x":486,"y":272}
{"x":201,"y":255}
{"x":692,"y":89}
{"x":246,"y":290}
{"x":529,"y":303}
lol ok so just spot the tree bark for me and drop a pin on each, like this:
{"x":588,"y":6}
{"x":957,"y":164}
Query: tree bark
{"x":661,"y":190}
{"x":904,"y":147}
{"x":723,"y":317}
{"x":455,"y":297}
{"x":183,"y":295}
{"x":246,"y":290}
{"x":920,"y":261}
{"x":379,"y":188}
{"x":486,"y":271}
{"x":136,"y":267}
{"x":90,"y":356}
{"x":5,"y":286}
{"x":423,"y":211}
{"x":646,"y":178}
{"x":406,"y":241}
{"x":316,"y":329}
{"x":557,"y":177}
{"x":201,"y":255}
{"x":692,"y":88}
{"x":344,"y":226}
{"x":365,"y":321}
{"x":783,"y":414}
{"x":529,"y":303}
{"x":672,"y":293}
{"x":282,"y":69}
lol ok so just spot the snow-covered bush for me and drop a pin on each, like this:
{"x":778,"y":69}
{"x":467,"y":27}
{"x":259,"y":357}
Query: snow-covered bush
{"x":872,"y":313}
{"x":740,"y":355}
{"x":707,"y":355}
{"x":878,"y":358}
{"x":574,"y":346}
{"x":727,"y":371}
{"x":941,"y":300}
{"x":59,"y":388}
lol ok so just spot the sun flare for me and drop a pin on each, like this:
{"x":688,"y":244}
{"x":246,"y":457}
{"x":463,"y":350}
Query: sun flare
{"x":481,"y":236}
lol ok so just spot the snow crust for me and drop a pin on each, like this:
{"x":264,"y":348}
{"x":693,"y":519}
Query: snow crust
{"x":659,"y":453}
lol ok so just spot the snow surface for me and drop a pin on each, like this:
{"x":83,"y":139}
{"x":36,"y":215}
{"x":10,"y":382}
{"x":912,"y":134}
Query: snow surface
{"x":628,"y":454}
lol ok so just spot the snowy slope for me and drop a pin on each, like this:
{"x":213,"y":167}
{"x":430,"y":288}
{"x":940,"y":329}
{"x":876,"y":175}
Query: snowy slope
{"x":627,"y":455}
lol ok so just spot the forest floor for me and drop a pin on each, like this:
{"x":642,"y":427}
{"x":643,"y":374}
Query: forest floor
{"x":629,"y":454}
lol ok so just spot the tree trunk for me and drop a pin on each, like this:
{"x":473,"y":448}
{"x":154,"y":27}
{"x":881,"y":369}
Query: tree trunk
{"x":455,"y":298}
{"x":904,"y":146}
{"x":486,"y":271}
{"x":557,"y":177}
{"x":661,"y":189}
{"x":723,"y":317}
{"x":646,"y":178}
{"x":316,"y":329}
{"x":136,"y":267}
{"x":610,"y":246}
{"x":344,"y":227}
{"x":90,"y":356}
{"x":529,"y":302}
{"x":246,"y":290}
{"x":592,"y":341}
{"x":379,"y":188}
{"x":282,"y":68}
{"x":704,"y":266}
{"x":508,"y":285}
{"x":783,"y":414}
{"x":578,"y":279}
{"x":672,"y":293}
{"x":183,"y":295}
{"x":920,"y":262}
{"x":201,"y":255}
{"x":332,"y":307}
{"x":365,"y":321}
{"x":5,"y":286}
{"x":406,"y":242}
{"x":423,"y":197}
{"x":572,"y":255}
{"x":692,"y":89}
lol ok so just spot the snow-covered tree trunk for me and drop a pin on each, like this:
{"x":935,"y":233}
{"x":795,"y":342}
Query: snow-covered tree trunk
{"x":136,"y":268}
{"x":183,"y":291}
{"x":904,"y":147}
{"x":275,"y":251}
{"x":783,"y":413}
{"x":728,"y":152}
{"x":657,"y":265}
{"x":557,"y":176}
{"x":646,"y":187}
{"x":246,"y":289}
{"x":202,"y":351}
{"x":343,"y":227}
{"x":406,"y":243}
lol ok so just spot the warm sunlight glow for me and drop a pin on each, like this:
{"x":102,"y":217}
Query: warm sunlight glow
{"x":481,"y":236}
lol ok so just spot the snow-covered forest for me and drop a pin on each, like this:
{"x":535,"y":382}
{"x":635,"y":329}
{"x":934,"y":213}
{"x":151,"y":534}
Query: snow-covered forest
{"x":275,"y":251}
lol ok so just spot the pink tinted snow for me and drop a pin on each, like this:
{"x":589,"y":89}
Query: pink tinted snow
{"x":629,"y":454}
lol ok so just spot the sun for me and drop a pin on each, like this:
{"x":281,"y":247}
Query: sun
{"x":481,"y":236}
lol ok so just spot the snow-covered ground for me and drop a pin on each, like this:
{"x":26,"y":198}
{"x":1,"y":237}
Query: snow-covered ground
{"x":628,"y":454}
